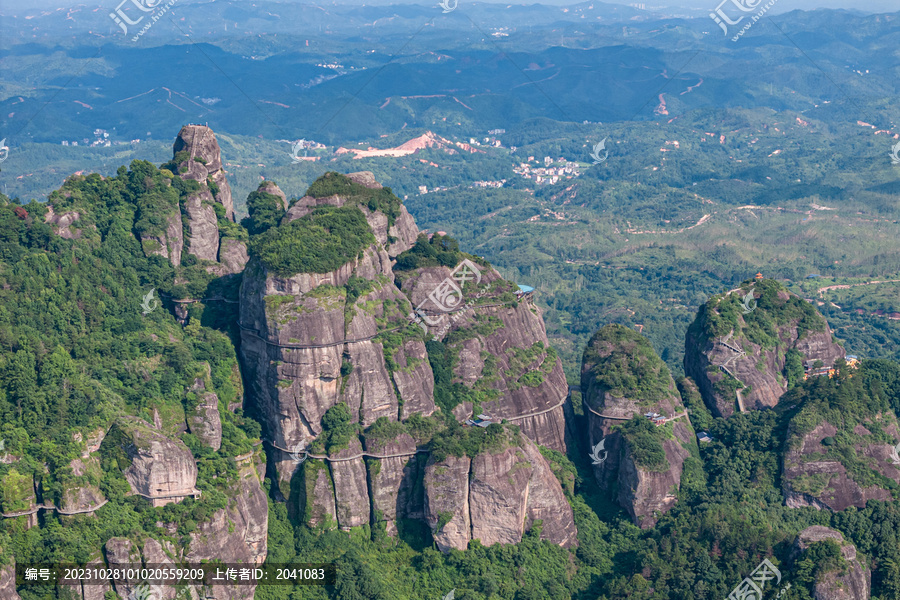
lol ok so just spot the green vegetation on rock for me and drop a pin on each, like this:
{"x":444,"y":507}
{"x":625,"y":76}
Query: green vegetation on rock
{"x":622,"y":362}
{"x":322,"y":241}
{"x":382,"y":200}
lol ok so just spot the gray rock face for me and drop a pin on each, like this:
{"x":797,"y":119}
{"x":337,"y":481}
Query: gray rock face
{"x":495,"y":498}
{"x":812,"y":479}
{"x":8,"y":582}
{"x":517,"y":346}
{"x":122,"y":553}
{"x":233,"y":255}
{"x":642,"y":492}
{"x":318,"y":500}
{"x":716,"y":363}
{"x":162,"y":469}
{"x":405,"y":232}
{"x":62,"y":223}
{"x":648,"y":494}
{"x":154,"y":554}
{"x":270,"y":187}
{"x":307,"y":346}
{"x":202,"y":226}
{"x":854,"y":584}
{"x":447,"y":502}
{"x":365,"y":178}
{"x":392,"y":481}
{"x":414,"y":379}
{"x":350,"y":488}
{"x":200,"y":142}
{"x":236,"y":534}
{"x":205,"y":421}
{"x":307,"y":331}
{"x":168,"y":245}
{"x":511,"y":490}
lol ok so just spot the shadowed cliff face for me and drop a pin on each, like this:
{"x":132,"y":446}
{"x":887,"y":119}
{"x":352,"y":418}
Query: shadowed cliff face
{"x":855,"y":583}
{"x":814,"y":476}
{"x":494,"y":497}
{"x":740,"y":357}
{"x":623,"y":378}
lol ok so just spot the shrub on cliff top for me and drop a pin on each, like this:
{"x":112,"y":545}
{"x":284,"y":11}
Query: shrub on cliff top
{"x":623,"y":362}
{"x":333,"y":183}
{"x":644,"y":441}
{"x":322,"y":241}
{"x":265,"y":211}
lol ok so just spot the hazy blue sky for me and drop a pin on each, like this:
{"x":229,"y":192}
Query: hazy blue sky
{"x":780,"y":6}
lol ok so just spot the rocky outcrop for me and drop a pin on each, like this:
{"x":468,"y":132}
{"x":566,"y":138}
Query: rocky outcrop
{"x":236,"y":534}
{"x":854,"y":582}
{"x":351,"y":494}
{"x":8,"y":581}
{"x":202,"y":226}
{"x":393,"y":488}
{"x":82,"y":493}
{"x":122,"y":553}
{"x":313,"y":340}
{"x":623,"y":378}
{"x":813,"y":475}
{"x":447,"y":502}
{"x":204,"y":162}
{"x":317,"y":494}
{"x":270,"y":187}
{"x":645,"y":493}
{"x":162,"y":470}
{"x":62,"y":223}
{"x":495,"y":498}
{"x":210,"y":237}
{"x":500,"y":347}
{"x":395,"y":238}
{"x":169,"y":243}
{"x":232,"y":255}
{"x":732,"y":355}
{"x":308,"y":346}
{"x":204,"y":420}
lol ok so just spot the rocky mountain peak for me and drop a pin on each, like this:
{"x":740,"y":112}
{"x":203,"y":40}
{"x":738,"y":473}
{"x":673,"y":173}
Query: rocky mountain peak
{"x":203,"y":162}
{"x":748,"y":345}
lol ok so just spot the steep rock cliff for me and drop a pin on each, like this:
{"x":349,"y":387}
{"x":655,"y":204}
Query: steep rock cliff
{"x":335,"y":329}
{"x":495,"y":497}
{"x":162,"y":469}
{"x":317,"y":333}
{"x":203,"y":162}
{"x":622,"y":379}
{"x":840,"y":458}
{"x":498,"y":348}
{"x":853,"y":582}
{"x":746,"y":345}
{"x":208,"y":212}
{"x":8,"y":581}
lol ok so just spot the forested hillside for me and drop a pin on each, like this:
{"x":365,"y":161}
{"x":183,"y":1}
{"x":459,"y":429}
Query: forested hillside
{"x":123,"y":359}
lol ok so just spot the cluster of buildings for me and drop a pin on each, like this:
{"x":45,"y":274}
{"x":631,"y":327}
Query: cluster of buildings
{"x":488,"y":184}
{"x":101,"y":138}
{"x":811,"y":370}
{"x":550,"y":173}
{"x":656,"y":418}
